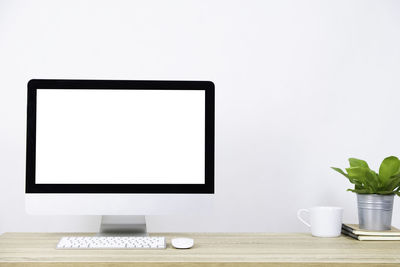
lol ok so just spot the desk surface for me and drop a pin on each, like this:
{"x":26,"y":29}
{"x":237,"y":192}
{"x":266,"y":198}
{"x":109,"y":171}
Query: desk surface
{"x":212,"y":249}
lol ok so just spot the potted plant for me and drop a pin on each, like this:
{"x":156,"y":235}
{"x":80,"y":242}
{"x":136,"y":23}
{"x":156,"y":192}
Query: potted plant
{"x":375,"y":191}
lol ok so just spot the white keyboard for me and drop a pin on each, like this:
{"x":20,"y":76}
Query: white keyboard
{"x":111,"y":242}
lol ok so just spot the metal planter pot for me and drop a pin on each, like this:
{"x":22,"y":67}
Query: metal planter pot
{"x":375,"y":211}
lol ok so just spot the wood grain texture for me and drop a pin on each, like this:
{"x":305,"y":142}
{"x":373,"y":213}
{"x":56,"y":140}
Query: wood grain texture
{"x":211,"y":249}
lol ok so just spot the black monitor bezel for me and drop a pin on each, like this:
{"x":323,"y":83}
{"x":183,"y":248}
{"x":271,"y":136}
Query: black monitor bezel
{"x":207,"y":188}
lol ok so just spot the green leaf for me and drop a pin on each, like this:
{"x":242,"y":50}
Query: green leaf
{"x":397,"y":175}
{"x":389,"y":167}
{"x":339,"y":171}
{"x":360,"y":191}
{"x":351,"y":179}
{"x":358,"y":163}
{"x":392,"y":184}
{"x":358,"y":173}
{"x":372,"y":180}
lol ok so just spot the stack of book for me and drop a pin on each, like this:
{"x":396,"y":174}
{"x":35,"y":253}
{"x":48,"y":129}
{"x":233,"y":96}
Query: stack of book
{"x":354,"y":231}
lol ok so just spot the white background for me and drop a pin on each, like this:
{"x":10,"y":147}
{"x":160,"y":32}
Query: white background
{"x":120,"y":136}
{"x":300,"y":86}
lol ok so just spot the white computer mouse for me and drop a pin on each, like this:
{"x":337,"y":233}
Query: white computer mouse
{"x":182,"y":242}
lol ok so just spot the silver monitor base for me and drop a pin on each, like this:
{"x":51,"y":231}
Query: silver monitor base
{"x":124,"y":225}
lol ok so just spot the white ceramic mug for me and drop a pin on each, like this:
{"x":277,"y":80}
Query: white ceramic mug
{"x":324,"y":221}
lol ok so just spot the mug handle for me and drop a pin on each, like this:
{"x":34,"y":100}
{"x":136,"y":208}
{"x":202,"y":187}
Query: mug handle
{"x":301,"y":219}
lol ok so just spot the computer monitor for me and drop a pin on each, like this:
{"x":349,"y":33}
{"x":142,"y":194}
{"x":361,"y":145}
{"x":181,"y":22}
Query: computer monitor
{"x":103,"y":147}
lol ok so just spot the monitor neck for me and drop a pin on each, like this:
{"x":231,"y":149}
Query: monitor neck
{"x":124,"y":225}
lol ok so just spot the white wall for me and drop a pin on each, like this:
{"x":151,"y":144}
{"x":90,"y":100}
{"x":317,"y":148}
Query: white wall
{"x":300,"y":86}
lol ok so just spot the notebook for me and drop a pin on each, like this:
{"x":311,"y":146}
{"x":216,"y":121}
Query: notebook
{"x":354,"y":231}
{"x":353,"y":228}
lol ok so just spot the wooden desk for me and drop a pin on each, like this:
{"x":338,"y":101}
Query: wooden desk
{"x":38,"y":249}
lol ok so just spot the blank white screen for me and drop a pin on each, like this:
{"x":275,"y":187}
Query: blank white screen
{"x":120,"y":136}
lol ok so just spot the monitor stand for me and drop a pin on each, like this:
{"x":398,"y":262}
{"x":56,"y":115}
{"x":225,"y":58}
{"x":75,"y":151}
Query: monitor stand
{"x":125,"y":225}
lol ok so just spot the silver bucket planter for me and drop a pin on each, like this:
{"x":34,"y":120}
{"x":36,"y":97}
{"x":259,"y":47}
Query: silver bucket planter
{"x":375,"y":211}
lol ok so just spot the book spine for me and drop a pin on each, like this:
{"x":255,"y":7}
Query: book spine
{"x":347,"y":228}
{"x":345,"y":232}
